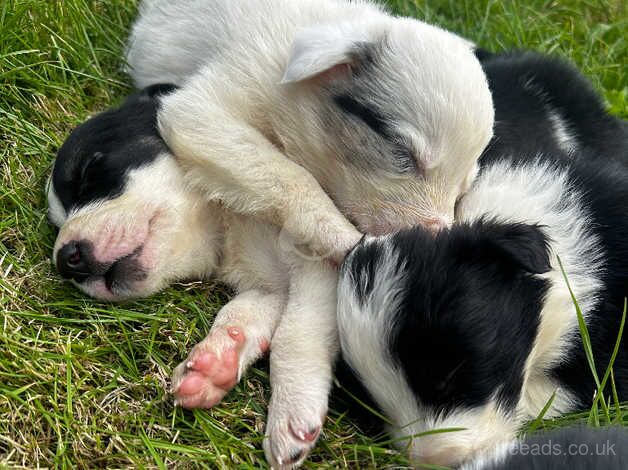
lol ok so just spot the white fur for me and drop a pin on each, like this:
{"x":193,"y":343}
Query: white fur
{"x":262,"y":148}
{"x":364,"y":331}
{"x":303,"y":351}
{"x":565,"y":137}
{"x":56,"y":212}
{"x":317,"y":49}
{"x":494,"y":456}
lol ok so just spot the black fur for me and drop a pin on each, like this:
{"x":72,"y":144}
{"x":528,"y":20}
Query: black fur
{"x":381,"y":125}
{"x":370,"y":117}
{"x":93,"y":162}
{"x":478,"y":351}
{"x":525,"y":86}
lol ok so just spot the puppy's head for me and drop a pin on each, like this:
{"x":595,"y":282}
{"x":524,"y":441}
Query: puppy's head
{"x":126,"y":225}
{"x":439,"y":331}
{"x":403,"y":113}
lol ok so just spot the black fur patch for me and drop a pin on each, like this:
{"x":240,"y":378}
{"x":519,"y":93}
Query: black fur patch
{"x":525,"y":85}
{"x":370,"y":117}
{"x":93,"y":162}
{"x":470,"y":312}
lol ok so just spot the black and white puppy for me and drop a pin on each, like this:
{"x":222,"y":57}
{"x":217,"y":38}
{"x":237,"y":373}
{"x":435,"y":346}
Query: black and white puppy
{"x":475,"y":328}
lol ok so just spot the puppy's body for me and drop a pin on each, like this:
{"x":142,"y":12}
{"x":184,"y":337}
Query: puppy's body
{"x":118,"y":194}
{"x":275,"y":92}
{"x":547,"y":106}
{"x":281,"y":107}
{"x":476,"y":328}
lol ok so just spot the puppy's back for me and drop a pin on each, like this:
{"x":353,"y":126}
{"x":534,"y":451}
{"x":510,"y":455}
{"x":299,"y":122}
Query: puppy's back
{"x":544,"y":104}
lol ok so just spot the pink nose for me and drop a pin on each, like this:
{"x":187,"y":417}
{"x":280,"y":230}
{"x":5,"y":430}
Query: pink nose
{"x":436,"y":224}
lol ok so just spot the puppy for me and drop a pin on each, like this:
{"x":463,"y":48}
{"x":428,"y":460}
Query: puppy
{"x":280,"y":96}
{"x":128,"y":226}
{"x":475,"y":328}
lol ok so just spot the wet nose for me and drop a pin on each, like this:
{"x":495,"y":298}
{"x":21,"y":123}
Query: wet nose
{"x":72,"y":261}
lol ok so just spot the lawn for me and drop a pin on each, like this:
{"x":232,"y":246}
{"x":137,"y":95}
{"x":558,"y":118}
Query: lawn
{"x":84,"y":383}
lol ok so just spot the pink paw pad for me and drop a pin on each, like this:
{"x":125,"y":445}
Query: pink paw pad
{"x":207,"y":375}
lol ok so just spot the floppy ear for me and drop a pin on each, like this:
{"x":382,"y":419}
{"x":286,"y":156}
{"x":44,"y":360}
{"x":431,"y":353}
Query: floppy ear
{"x":523,"y":245}
{"x":327,"y":51}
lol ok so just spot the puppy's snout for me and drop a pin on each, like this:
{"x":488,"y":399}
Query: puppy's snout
{"x":72,"y":261}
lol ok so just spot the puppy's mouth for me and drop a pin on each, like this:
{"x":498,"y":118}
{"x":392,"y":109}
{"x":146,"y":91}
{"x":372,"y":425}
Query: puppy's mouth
{"x":124,"y":271}
{"x":115,"y":280}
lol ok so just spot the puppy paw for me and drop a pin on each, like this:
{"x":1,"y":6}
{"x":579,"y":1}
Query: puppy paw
{"x":292,"y":430}
{"x":211,"y":369}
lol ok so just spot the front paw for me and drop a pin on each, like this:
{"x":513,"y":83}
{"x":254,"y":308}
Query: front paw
{"x":210,"y":370}
{"x":293,"y":427}
{"x":344,"y":245}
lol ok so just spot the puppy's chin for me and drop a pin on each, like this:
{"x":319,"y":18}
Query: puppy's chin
{"x":119,"y":289}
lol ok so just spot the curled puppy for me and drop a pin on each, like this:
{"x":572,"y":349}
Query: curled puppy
{"x":128,"y":227}
{"x":388,"y":115}
{"x":475,"y":328}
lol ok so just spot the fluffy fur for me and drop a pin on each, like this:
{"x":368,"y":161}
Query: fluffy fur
{"x":475,"y":328}
{"x":281,"y":96}
{"x":130,"y":232}
{"x":276,"y":108}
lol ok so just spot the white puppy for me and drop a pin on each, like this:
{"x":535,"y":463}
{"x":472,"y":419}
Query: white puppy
{"x":389,"y":115}
{"x":128,"y":227}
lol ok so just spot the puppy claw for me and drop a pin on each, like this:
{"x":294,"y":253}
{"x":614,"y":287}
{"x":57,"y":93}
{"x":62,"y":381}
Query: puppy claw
{"x":292,"y":430}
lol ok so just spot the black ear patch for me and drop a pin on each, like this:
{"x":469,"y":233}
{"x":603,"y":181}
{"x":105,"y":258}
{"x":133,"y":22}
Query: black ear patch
{"x":516,"y":246}
{"x":94,"y":161}
{"x":525,"y":245}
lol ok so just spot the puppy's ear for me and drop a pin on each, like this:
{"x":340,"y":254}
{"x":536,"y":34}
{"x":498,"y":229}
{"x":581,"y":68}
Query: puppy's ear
{"x":521,"y":245}
{"x":327,"y":52}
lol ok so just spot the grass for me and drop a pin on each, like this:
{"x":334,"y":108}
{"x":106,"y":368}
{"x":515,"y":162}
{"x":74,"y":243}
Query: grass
{"x":84,"y":383}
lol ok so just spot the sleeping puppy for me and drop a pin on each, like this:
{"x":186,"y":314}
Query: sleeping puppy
{"x":475,"y":328}
{"x":278,"y":108}
{"x":128,"y":226}
{"x":280,"y":96}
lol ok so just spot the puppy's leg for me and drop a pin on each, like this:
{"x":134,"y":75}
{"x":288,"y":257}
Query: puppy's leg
{"x":303,"y":350}
{"x":240,"y":334}
{"x":227,"y":158}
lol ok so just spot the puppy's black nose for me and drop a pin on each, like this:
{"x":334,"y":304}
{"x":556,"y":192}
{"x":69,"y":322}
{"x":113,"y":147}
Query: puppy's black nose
{"x":72,"y":261}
